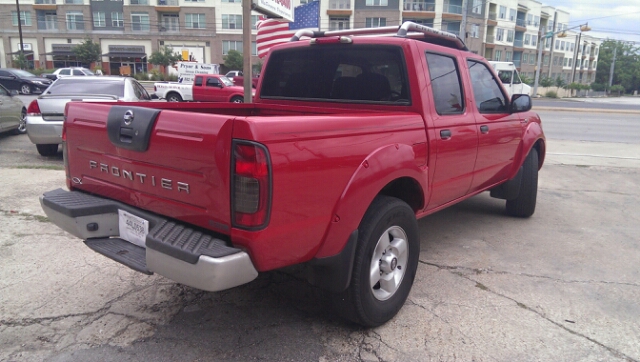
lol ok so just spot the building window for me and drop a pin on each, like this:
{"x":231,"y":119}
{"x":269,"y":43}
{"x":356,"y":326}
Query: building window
{"x":201,"y":1}
{"x":570,"y":62}
{"x":555,"y":60}
{"x":529,"y":19}
{"x":500,"y":34}
{"x":562,"y":44}
{"x":536,"y":21}
{"x":419,"y":5}
{"x":139,"y":2}
{"x":375,"y":22}
{"x":338,"y":23}
{"x":566,"y":62}
{"x":237,"y":46}
{"x":254,"y":21}
{"x":498,"y":55}
{"x":346,"y":4}
{"x":503,"y":12}
{"x":557,"y":44}
{"x":510,"y":36}
{"x":425,"y":22}
{"x":99,"y":19}
{"x":507,"y":56}
{"x":196,"y":21}
{"x":25,"y":18}
{"x":230,"y":21}
{"x":525,"y":58}
{"x":532,"y":59}
{"x":534,"y":40}
{"x":512,"y":14}
{"x":170,"y":22}
{"x":377,"y":2}
{"x":75,"y":20}
{"x":545,"y":60}
{"x":140,"y":22}
{"x":477,"y":6}
{"x":73,"y":2}
{"x":117,"y":20}
{"x":475,"y":30}
{"x":232,"y":1}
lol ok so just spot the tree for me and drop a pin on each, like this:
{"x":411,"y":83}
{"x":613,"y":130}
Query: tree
{"x":617,"y":88}
{"x":165,"y":56}
{"x":20,"y":61}
{"x":234,"y":60}
{"x":559,"y":83}
{"x":88,"y":52}
{"x":627,"y":66}
{"x":546,"y":82}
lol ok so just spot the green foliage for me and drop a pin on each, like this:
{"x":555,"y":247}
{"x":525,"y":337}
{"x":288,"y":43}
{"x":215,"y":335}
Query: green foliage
{"x":551,"y":94}
{"x":20,"y":61}
{"x":526,"y":80}
{"x":627,"y":66}
{"x":546,"y":82}
{"x":234,"y":60}
{"x":165,"y":57}
{"x":585,"y":86}
{"x":39,"y":71}
{"x":88,"y":52}
{"x":257,"y":68}
{"x":559,"y":82}
{"x":617,"y":88}
{"x":598,"y":87}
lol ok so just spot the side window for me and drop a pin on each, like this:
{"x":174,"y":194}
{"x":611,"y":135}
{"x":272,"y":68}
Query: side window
{"x":65,"y":72}
{"x":213,"y":82}
{"x":77,"y":72}
{"x":445,"y":84}
{"x":198,"y":81}
{"x":486,"y":90}
{"x":505,"y":76}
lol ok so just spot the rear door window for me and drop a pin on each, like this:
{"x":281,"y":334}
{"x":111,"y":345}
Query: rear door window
{"x":445,"y":84}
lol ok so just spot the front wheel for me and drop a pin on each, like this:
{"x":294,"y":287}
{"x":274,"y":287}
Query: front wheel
{"x":525,"y":204}
{"x":47,"y":150}
{"x":25,"y":89}
{"x":174,"y":97}
{"x":385,"y":263}
{"x":237,"y":99}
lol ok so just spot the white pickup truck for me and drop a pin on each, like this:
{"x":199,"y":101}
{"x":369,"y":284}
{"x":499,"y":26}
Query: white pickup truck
{"x":174,"y":91}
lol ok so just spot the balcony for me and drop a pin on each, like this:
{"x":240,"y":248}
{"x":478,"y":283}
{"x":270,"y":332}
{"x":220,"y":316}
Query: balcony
{"x":139,"y":2}
{"x":491,"y":39}
{"x":518,"y":43}
{"x":517,"y":62}
{"x":521,"y":23}
{"x":47,"y":25}
{"x":452,"y":8}
{"x":44,"y":5}
{"x":168,"y":3}
{"x":76,"y":2}
{"x":340,"y":5}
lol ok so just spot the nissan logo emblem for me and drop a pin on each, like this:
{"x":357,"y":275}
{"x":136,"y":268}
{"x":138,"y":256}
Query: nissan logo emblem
{"x":128,"y":117}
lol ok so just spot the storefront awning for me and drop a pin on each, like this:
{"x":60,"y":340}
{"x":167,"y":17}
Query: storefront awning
{"x":26,"y":52}
{"x":61,"y":53}
{"x":125,"y":55}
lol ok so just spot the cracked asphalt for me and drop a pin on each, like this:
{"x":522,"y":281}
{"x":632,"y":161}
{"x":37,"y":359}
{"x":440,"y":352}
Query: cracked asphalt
{"x":563,"y":285}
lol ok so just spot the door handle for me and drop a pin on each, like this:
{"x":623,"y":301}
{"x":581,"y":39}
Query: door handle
{"x":445,"y":134}
{"x":484,"y":129}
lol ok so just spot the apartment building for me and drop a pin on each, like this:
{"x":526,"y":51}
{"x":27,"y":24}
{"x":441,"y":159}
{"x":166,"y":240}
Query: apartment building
{"x":128,"y":31}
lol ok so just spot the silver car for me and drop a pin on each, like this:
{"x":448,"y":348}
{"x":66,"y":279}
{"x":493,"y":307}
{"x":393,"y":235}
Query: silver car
{"x":45,"y":114}
{"x":12,"y":112}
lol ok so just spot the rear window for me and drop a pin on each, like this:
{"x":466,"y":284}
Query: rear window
{"x":71,"y":86}
{"x":338,"y":73}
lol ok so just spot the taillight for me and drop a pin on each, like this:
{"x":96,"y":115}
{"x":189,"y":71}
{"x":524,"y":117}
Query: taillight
{"x":251,"y":185}
{"x":33,"y":109}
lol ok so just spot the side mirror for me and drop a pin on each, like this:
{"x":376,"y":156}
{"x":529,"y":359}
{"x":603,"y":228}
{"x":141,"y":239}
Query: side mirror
{"x":14,"y":92}
{"x":520,"y":103}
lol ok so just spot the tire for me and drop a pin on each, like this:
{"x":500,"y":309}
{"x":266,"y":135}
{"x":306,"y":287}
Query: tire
{"x":525,"y":204}
{"x":237,"y":99}
{"x":25,"y":88}
{"x":174,"y":97}
{"x":47,"y":150}
{"x":385,"y":264}
{"x":22,"y":127}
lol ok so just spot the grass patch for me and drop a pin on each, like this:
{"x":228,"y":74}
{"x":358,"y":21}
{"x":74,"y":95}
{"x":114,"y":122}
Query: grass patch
{"x":46,"y":167}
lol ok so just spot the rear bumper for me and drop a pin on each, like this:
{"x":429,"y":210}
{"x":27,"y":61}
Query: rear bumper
{"x":43,"y":132}
{"x":172,"y":250}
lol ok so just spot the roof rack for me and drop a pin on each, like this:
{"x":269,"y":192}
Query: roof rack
{"x":407,"y":30}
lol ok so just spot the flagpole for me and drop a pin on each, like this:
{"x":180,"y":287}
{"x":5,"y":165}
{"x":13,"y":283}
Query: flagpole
{"x":246,"y":49}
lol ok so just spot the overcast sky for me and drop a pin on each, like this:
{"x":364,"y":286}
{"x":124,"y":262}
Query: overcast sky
{"x":614,"y":19}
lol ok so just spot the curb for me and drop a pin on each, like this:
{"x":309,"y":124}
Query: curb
{"x":594,"y":110}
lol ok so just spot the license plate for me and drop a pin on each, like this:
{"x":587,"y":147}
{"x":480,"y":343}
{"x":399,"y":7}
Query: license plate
{"x":132,"y":228}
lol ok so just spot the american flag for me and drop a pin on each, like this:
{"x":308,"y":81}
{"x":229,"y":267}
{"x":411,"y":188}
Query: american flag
{"x":272,"y":32}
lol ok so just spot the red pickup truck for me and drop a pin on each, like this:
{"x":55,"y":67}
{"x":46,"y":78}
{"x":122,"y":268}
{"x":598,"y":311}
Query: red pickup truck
{"x":205,"y":88}
{"x":350,"y":140}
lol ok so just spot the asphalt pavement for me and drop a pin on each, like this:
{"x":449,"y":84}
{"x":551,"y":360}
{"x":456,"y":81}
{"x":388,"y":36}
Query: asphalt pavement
{"x":559,"y":286}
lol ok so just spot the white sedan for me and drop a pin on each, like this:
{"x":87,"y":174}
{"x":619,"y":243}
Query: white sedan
{"x":45,"y":114}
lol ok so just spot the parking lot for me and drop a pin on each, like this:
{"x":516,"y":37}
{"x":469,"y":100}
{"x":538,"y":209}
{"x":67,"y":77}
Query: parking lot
{"x":560,"y":286}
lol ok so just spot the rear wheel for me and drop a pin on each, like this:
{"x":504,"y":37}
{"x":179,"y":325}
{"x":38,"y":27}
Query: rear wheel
{"x":525,"y":204}
{"x":47,"y":150}
{"x":22,"y":127}
{"x":237,"y":99}
{"x":174,"y":97}
{"x":385,"y":263}
{"x":25,"y":89}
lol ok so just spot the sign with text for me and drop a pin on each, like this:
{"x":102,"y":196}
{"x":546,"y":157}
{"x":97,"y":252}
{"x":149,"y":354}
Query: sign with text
{"x":275,"y":8}
{"x":188,"y":70}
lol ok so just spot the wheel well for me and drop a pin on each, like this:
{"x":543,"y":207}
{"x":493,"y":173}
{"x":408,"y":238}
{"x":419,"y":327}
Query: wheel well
{"x":539,"y":146}
{"x":173,"y":92}
{"x":407,"y":190}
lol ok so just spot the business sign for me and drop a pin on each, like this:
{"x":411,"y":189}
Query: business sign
{"x":274,"y":8}
{"x":187,"y":71}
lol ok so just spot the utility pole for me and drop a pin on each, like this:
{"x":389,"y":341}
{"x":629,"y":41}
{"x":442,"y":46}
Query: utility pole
{"x":21,"y":51}
{"x":575,"y":57}
{"x":613,"y":65}
{"x":543,"y":39}
{"x":463,"y":23}
{"x":553,"y":38}
{"x":246,"y":49}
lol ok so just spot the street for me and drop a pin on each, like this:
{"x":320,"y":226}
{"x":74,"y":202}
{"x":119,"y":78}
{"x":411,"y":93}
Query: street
{"x":560,"y":286}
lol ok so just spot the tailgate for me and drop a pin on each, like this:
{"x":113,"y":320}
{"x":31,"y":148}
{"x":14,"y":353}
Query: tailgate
{"x":173,"y":163}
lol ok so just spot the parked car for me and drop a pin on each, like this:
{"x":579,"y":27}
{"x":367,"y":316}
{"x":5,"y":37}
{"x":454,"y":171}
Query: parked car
{"x":233,"y":73}
{"x":12,"y":112}
{"x":67,"y":72}
{"x":23,"y":81}
{"x":45,"y":114}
